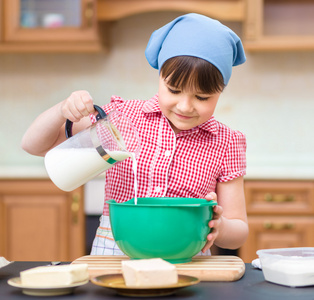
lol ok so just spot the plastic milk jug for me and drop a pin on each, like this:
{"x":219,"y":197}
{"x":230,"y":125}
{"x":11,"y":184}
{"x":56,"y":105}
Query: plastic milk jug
{"x":92,"y":151}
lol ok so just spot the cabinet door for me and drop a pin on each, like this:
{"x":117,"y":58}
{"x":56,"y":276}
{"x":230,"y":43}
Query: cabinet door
{"x":279,"y":25}
{"x":267,"y":232}
{"x":66,"y":21}
{"x":40,"y":222}
{"x":1,"y":25}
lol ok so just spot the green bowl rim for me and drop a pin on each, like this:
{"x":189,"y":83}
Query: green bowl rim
{"x":127,"y":203}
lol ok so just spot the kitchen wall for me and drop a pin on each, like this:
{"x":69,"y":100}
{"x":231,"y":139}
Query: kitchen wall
{"x":269,"y":98}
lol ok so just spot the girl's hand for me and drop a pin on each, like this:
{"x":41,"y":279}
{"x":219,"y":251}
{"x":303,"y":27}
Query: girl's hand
{"x":214,"y":224}
{"x":78,"y":105}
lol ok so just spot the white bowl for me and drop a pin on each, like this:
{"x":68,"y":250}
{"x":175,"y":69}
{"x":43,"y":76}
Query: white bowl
{"x":288,"y":266}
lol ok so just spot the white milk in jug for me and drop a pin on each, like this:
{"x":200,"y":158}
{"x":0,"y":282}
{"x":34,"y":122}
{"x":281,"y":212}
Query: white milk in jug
{"x":70,"y":168}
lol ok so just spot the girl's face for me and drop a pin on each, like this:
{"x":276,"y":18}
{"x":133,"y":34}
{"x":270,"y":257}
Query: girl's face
{"x":185,"y":109}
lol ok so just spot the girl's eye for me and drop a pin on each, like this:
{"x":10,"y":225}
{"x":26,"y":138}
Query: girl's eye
{"x":173,"y":91}
{"x":202,"y":98}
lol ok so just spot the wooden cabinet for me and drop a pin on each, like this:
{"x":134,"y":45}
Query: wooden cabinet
{"x":49,"y":26}
{"x":38,"y":221}
{"x":280,"y":214}
{"x":272,"y":25}
{"x":228,"y":10}
{"x":268,"y":25}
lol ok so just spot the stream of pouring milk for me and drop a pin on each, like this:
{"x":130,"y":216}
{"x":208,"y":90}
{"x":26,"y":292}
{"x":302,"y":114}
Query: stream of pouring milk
{"x":134,"y":166}
{"x":69,"y":168}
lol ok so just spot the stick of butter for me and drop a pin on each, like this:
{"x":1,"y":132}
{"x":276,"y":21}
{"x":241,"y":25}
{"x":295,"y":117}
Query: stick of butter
{"x":149,"y":273}
{"x":51,"y":276}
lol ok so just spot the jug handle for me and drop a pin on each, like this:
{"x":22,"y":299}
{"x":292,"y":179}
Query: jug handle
{"x":68,"y":124}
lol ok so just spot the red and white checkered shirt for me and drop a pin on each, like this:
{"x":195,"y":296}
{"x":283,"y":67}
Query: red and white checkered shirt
{"x":188,"y":164}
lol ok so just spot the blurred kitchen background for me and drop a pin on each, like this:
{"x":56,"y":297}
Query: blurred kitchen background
{"x":44,"y":57}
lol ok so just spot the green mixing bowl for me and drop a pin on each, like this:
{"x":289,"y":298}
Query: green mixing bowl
{"x":174,"y":229}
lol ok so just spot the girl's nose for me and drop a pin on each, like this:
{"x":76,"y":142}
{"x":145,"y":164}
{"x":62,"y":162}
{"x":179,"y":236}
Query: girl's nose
{"x":185,"y":104}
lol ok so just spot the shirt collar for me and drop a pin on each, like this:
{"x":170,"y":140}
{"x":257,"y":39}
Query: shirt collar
{"x":152,"y":106}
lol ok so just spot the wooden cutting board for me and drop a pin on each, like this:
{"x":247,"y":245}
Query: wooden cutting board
{"x":206,"y":268}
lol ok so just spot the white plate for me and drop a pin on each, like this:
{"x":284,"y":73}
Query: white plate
{"x":4,"y":262}
{"x":116,"y":282}
{"x":45,"y":291}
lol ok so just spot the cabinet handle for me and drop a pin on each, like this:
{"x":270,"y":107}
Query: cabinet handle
{"x":278,"y":198}
{"x":89,"y":13}
{"x":278,"y":226}
{"x":75,"y":207}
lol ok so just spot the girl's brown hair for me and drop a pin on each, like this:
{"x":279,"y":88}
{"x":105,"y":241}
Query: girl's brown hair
{"x":193,"y":73}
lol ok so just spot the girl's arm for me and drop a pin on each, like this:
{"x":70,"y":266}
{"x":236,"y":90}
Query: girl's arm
{"x":230,"y":228}
{"x":47,"y":131}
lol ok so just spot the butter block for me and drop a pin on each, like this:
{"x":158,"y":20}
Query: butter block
{"x":148,"y":273}
{"x":52,"y":276}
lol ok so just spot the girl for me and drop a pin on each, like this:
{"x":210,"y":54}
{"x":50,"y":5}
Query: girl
{"x":185,"y":152}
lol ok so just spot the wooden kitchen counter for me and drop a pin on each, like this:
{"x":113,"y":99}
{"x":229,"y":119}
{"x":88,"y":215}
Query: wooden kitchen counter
{"x":251,"y":286}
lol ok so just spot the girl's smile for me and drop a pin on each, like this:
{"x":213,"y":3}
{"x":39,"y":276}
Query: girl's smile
{"x":183,"y":117}
{"x":185,"y":109}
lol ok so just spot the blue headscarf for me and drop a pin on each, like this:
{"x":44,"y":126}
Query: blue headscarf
{"x":199,"y":36}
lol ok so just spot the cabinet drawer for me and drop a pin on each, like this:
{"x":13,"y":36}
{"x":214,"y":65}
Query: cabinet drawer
{"x":268,"y":232}
{"x":279,"y":197}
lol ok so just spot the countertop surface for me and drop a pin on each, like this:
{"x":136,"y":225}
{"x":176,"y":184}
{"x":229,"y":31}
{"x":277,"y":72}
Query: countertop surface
{"x":251,"y":286}
{"x":263,"y":171}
